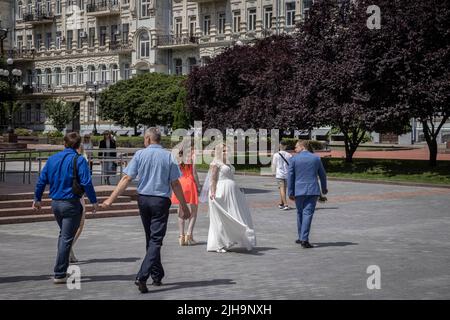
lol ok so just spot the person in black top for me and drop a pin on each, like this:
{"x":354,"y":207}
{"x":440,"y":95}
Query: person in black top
{"x":108,"y":164}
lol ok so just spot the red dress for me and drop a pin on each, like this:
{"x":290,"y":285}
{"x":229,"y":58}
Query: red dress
{"x":188,"y":185}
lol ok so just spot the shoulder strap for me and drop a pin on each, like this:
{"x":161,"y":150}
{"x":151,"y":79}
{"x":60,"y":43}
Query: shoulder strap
{"x":75,"y":169}
{"x":283,"y":158}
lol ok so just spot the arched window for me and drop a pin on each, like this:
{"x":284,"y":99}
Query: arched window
{"x":48,"y":77}
{"x":69,"y":76}
{"x":103,"y":73}
{"x":38,"y":74}
{"x":91,"y":74}
{"x":80,"y":75}
{"x":144,"y":45}
{"x":58,"y":76}
{"x":114,"y":73}
{"x":38,"y":7}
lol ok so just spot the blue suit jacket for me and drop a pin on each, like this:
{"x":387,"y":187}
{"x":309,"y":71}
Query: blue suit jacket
{"x":302,"y":176}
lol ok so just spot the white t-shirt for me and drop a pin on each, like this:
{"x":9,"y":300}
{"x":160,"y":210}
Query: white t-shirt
{"x":279,"y":166}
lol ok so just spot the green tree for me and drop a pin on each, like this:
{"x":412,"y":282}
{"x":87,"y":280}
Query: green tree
{"x":181,"y":118}
{"x":148,"y":99}
{"x":59,"y":112}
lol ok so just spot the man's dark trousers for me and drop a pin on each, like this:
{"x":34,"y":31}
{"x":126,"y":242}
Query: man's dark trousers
{"x":68,"y":216}
{"x":154,"y":214}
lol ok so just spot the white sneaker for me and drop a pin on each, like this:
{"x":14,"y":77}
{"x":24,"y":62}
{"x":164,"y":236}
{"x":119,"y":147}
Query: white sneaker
{"x":281,"y":206}
{"x":286,"y":208}
{"x":221,"y":250}
{"x":60,"y":280}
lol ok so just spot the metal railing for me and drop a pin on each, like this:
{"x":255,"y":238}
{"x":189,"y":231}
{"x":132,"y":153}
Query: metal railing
{"x":99,"y":164}
{"x":170,"y":40}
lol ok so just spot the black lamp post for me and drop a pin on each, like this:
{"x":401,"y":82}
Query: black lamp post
{"x":12,"y":76}
{"x":92,"y":91}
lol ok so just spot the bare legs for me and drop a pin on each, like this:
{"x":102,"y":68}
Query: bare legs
{"x":188,"y":238}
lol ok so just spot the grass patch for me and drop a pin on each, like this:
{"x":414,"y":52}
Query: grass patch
{"x":415,"y":171}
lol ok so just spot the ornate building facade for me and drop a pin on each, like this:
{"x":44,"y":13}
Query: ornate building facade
{"x":74,"y":48}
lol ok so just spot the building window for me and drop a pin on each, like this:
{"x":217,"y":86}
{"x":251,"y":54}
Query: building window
{"x":28,"y":114}
{"x":102,"y":36}
{"x":48,"y":78}
{"x":114,"y":33}
{"x":92,"y":77}
{"x":221,"y":21}
{"x":178,"y":67}
{"x":206,"y":25}
{"x":268,"y":17}
{"x":29,"y":7}
{"x":80,"y":37}
{"x":69,"y":76}
{"x":29,"y":41}
{"x":192,"y":25}
{"x":307,"y":4}
{"x":92,"y":37}
{"x":192,"y":63}
{"x":80,"y":75}
{"x":19,"y":42}
{"x":237,"y":21}
{"x":38,"y":41}
{"x":144,"y":45}
{"x":58,"y":40}
{"x":251,"y":19}
{"x":39,"y":79}
{"x":145,"y":10}
{"x":48,"y":7}
{"x":290,"y":14}
{"x":19,"y":11}
{"x":69,"y":39}
{"x":38,"y":6}
{"x":37,"y":113}
{"x":58,"y":77}
{"x":48,"y":40}
{"x":58,"y":7}
{"x":103,"y":74}
{"x":205,"y":60}
{"x":126,"y":71}
{"x":125,"y":32}
{"x":91,"y":111}
{"x":114,"y":73}
{"x":178,"y":26}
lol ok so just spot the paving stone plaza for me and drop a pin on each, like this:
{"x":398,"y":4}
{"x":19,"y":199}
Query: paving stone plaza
{"x":402,"y":230}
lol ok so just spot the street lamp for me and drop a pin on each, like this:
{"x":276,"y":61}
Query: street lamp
{"x":12,"y":76}
{"x":92,"y":91}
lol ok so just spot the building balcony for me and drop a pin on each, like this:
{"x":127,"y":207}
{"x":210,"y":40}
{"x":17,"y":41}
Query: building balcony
{"x":176,"y":42}
{"x":103,"y":8}
{"x":39,"y":17}
{"x":22,"y":54}
{"x":119,"y":46}
{"x":205,"y":1}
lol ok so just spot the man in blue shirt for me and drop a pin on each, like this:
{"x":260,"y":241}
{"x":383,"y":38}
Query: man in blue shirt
{"x":66,"y":206}
{"x":158,"y":173}
{"x":304,"y":189}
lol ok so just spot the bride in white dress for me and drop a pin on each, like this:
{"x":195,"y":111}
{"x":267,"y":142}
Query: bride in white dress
{"x":231,"y":224}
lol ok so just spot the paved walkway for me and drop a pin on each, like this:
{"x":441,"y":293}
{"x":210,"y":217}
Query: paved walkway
{"x":413,"y":154}
{"x":403,"y":230}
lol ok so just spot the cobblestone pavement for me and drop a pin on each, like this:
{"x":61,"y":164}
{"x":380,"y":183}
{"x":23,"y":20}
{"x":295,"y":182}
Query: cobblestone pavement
{"x":403,"y":230}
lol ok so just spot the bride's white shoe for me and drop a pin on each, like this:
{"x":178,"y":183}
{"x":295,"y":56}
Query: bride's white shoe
{"x":221,"y":250}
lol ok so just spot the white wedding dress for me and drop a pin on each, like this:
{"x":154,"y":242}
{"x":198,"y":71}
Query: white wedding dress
{"x":231,"y":224}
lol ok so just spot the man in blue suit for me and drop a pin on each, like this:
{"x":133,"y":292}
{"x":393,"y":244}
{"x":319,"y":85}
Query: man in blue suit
{"x":304,"y":189}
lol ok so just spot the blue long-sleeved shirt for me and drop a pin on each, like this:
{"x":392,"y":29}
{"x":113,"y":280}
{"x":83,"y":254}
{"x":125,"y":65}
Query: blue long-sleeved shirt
{"x":58,"y":173}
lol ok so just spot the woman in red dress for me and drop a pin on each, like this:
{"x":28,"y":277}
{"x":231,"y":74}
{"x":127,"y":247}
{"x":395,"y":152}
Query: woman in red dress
{"x":190,"y":185}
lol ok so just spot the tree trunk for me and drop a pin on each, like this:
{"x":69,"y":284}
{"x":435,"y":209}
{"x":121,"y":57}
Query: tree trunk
{"x":348,"y":149}
{"x":135,"y":130}
{"x":430,"y":138}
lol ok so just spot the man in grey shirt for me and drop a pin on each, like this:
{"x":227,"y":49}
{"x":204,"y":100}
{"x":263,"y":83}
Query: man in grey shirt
{"x":158,"y":173}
